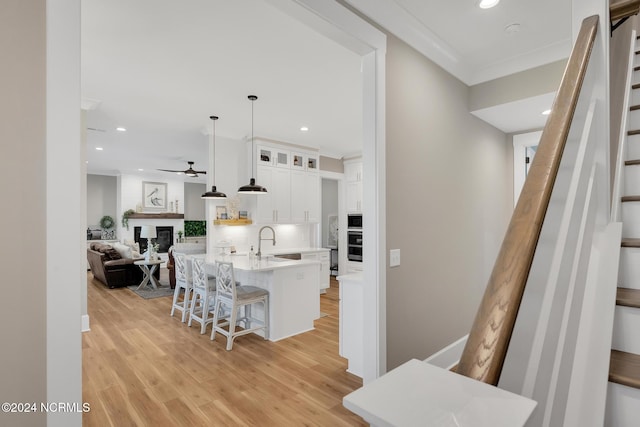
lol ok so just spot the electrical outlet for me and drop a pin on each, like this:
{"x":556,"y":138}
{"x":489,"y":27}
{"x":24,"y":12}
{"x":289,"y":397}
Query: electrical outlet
{"x":394,"y":257}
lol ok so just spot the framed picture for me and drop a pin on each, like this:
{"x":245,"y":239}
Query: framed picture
{"x":221,"y":212}
{"x":154,"y":196}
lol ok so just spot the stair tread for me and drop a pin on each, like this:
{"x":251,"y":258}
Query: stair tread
{"x":634,"y":132}
{"x":628,"y":297}
{"x":624,"y":368}
{"x":634,"y":107}
{"x":636,"y":68}
{"x":635,"y":86}
{"x":631,"y":199}
{"x":630,"y":243}
{"x":632,"y":162}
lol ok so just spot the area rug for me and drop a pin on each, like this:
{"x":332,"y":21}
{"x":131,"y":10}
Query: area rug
{"x":147,"y":292}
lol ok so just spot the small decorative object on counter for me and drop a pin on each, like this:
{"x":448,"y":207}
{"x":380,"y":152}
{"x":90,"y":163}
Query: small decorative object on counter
{"x":177,"y":208}
{"x":171,"y":206}
{"x":179,"y":236}
{"x":139,"y":208}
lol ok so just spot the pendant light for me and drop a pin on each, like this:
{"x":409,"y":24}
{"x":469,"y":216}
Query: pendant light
{"x":252,"y":188}
{"x":214,"y":194}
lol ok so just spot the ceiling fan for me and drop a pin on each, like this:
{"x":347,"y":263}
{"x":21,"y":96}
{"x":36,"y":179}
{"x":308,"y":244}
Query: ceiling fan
{"x":189,"y":172}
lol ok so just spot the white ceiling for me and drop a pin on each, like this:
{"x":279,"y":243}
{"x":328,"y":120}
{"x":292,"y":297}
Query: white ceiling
{"x":160,"y":68}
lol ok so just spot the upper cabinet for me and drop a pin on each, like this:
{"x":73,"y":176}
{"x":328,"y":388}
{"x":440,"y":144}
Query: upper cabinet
{"x":270,"y":156}
{"x":292,"y":180}
{"x":353,"y":178}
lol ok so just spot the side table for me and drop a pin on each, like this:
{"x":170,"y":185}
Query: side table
{"x":148,"y":268}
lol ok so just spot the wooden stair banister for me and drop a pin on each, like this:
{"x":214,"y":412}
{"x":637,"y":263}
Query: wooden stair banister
{"x":485,"y":351}
{"x":623,"y":9}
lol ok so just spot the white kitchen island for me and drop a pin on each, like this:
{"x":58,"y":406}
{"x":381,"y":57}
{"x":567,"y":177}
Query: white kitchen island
{"x":294,"y":301}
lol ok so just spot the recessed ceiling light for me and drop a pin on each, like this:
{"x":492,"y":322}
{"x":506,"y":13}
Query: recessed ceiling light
{"x":487,"y":4}
{"x":99,"y":148}
{"x":304,"y":129}
{"x":140,"y":169}
{"x":121,"y":129}
{"x":546,"y":112}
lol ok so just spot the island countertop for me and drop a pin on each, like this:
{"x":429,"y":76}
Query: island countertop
{"x":293,"y":285}
{"x":266,"y":263}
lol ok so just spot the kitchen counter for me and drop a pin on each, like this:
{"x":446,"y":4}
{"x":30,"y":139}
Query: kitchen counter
{"x":294,"y":300}
{"x":266,"y":263}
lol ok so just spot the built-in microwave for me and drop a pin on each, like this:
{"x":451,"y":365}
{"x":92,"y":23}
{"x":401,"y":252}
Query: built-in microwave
{"x":354,"y":221}
{"x":354,"y":245}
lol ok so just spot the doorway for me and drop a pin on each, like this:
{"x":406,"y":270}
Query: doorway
{"x":524,"y":150}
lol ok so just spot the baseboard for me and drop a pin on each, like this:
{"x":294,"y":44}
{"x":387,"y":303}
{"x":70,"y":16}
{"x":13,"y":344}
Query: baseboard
{"x":85,"y":323}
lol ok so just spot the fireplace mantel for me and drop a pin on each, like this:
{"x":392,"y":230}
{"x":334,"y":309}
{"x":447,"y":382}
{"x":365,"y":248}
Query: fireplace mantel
{"x":162,"y":215}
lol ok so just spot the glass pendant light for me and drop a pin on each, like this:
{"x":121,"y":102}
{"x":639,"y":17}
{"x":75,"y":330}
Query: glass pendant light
{"x":252,"y":188}
{"x":214,"y":194}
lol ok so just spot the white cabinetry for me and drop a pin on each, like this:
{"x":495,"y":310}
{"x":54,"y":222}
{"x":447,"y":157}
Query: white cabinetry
{"x":275,"y":205}
{"x":293,"y":186}
{"x":305,"y":200}
{"x":353,"y":177}
{"x":272,"y":156}
{"x":325,"y":267}
{"x":351,"y":322}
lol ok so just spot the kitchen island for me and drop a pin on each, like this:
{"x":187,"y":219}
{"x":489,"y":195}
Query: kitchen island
{"x":294,"y":301}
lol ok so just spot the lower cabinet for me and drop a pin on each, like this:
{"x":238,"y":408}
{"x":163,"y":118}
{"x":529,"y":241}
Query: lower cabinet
{"x":325,"y":272}
{"x":351,"y":322}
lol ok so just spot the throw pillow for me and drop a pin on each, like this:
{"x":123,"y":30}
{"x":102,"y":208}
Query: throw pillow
{"x":135,"y":246}
{"x":124,"y":250}
{"x":110,"y":253}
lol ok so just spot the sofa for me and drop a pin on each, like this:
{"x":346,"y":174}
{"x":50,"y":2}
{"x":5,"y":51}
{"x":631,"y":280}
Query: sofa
{"x":183,"y":248}
{"x":115,"y":267}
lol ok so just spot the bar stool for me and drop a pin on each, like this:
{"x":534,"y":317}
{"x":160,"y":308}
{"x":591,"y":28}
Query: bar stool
{"x":204,"y":295}
{"x":184,"y":280}
{"x":230,"y":298}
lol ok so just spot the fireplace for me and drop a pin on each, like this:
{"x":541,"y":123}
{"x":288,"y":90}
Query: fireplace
{"x":164,"y":239}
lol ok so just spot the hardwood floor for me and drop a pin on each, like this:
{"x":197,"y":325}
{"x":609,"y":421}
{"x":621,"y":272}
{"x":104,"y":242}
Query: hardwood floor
{"x":143,"y":367}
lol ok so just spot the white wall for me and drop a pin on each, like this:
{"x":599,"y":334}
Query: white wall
{"x":193,"y":203}
{"x":130,"y":195}
{"x":242,"y":237}
{"x":102,"y":196}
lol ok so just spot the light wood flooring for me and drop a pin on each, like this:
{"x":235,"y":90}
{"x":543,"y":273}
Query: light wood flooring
{"x":143,"y":367}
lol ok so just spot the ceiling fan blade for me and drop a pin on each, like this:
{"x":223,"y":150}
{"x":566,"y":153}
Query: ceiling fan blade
{"x":204,"y":172}
{"x":168,"y":170}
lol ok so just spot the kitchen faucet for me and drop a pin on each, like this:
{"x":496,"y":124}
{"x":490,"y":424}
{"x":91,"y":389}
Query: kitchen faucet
{"x":260,"y":239}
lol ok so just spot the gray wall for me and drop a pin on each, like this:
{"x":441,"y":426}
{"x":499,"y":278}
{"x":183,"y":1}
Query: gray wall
{"x":329,"y":205}
{"x":24,"y":346}
{"x":193,"y":204}
{"x":449,"y":200}
{"x":331,"y":165}
{"x":525,"y":84}
{"x":102,"y":197}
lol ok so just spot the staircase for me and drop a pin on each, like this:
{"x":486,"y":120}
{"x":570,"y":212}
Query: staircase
{"x":623,"y":394}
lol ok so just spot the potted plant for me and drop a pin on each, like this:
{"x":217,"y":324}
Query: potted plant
{"x":179,"y":236}
{"x":125,"y":217}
